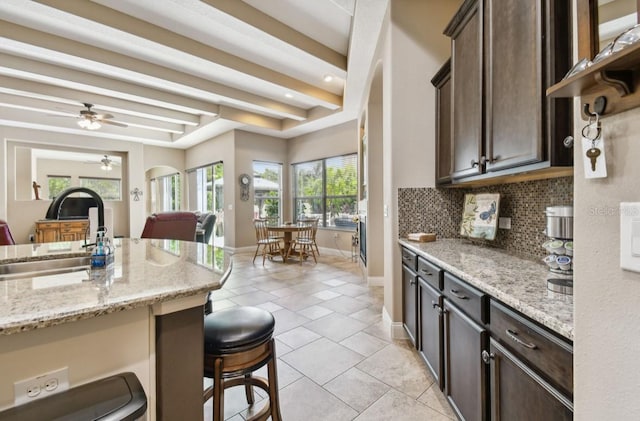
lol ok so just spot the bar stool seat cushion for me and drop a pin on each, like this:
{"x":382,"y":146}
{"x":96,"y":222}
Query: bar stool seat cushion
{"x":236,"y":329}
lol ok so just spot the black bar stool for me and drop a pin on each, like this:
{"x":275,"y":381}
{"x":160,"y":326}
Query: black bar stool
{"x":237,"y":342}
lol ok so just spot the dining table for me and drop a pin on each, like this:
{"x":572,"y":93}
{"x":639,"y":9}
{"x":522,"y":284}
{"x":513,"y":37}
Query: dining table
{"x":288,"y":230}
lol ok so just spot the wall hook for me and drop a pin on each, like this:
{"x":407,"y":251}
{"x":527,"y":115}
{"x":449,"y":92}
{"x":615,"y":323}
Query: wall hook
{"x":599,"y":105}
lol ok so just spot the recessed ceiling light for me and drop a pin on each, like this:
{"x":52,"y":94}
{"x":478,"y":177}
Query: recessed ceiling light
{"x":289,"y":95}
{"x":327,"y":78}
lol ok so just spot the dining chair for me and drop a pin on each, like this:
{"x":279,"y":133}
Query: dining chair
{"x":265,"y":243}
{"x":303,"y":243}
{"x":171,"y":226}
{"x":314,"y":222}
{"x":6,"y":239}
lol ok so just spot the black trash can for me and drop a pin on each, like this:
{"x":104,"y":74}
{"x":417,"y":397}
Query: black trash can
{"x":116,"y":398}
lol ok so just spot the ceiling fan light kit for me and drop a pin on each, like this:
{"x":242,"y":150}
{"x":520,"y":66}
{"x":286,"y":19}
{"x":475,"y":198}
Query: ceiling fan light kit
{"x":106,"y":164}
{"x":89,"y":124}
{"x":91,"y":120}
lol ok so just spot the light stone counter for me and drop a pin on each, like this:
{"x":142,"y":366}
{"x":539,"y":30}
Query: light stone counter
{"x":144,"y":273}
{"x":517,"y":282}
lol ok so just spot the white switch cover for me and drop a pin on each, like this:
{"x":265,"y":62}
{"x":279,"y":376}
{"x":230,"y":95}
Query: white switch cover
{"x":630,"y":236}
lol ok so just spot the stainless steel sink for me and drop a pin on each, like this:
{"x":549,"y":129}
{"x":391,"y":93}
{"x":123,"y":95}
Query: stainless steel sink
{"x":44,"y":267}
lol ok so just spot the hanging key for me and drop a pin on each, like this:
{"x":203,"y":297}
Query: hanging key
{"x":593,"y":154}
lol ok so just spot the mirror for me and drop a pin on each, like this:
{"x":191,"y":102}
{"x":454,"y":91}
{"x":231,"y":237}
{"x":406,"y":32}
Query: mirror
{"x":600,"y":21}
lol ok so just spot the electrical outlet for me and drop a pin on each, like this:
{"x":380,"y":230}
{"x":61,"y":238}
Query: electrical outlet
{"x":32,"y":238}
{"x":41,"y":386}
{"x":336,"y":235}
{"x":504,"y":223}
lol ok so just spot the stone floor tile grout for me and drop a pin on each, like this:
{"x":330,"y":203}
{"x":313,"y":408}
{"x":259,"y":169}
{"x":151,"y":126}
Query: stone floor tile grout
{"x":339,"y":283}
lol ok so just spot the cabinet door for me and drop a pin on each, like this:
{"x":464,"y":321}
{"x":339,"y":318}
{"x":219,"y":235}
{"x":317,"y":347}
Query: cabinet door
{"x":513,"y":73}
{"x":47,"y":232}
{"x":518,"y":393}
{"x":410,"y":303}
{"x":442,"y":82}
{"x":466,"y":378}
{"x":431,"y":328}
{"x":466,"y":75}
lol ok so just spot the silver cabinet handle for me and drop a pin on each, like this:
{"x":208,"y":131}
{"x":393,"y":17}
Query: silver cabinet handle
{"x":487,"y":357}
{"x":456,"y":294}
{"x":514,"y":336}
{"x":426,"y":272}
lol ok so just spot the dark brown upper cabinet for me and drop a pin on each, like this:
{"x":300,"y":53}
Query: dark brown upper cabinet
{"x":505,"y":54}
{"x":616,"y":79}
{"x":442,"y":83}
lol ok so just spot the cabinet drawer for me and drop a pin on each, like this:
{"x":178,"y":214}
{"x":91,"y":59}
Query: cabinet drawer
{"x":47,"y":225}
{"x":75,"y":225}
{"x":469,"y":299}
{"x":549,"y":355}
{"x":409,"y":259}
{"x":430,"y":273}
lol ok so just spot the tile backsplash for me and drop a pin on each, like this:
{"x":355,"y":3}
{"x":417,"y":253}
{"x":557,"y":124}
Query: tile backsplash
{"x":439,"y":210}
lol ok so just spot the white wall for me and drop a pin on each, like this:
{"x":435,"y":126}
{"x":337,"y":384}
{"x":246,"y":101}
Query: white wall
{"x":415,"y":50}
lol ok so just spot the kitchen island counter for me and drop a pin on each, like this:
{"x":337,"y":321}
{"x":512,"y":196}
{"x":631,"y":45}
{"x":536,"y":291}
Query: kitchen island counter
{"x":145,"y":272}
{"x":143,"y":313}
{"x":518,"y":282}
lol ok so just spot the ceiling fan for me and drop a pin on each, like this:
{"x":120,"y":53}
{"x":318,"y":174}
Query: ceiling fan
{"x":106,"y":164}
{"x":91,"y":120}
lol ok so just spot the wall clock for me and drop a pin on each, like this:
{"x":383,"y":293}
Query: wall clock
{"x":245,"y":180}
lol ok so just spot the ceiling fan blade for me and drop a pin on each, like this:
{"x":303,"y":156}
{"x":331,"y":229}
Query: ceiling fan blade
{"x":113,"y":123}
{"x":103,"y":116}
{"x":60,"y":115}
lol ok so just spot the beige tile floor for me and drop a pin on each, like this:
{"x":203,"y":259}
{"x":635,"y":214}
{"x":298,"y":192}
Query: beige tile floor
{"x":335,"y":360}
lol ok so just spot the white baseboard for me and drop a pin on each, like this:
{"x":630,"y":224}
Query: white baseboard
{"x":396,"y":329}
{"x":375,"y":281}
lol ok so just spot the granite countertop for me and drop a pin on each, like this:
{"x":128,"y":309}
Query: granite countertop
{"x":518,"y":282}
{"x":144,"y":272}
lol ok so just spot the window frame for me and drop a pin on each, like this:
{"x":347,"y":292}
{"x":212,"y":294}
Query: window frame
{"x":279,"y":197}
{"x":53,"y":176}
{"x":324,"y":198}
{"x":118,"y":180}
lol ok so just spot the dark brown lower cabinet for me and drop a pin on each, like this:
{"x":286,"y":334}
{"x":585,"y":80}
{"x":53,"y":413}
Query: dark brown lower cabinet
{"x":518,"y":393}
{"x":410,"y":303}
{"x":465,"y":373}
{"x":431,"y":325}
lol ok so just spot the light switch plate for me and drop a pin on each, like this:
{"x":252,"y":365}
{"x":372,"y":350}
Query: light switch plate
{"x":630,"y":236}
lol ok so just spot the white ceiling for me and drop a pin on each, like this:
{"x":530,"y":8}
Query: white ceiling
{"x":179,"y":72}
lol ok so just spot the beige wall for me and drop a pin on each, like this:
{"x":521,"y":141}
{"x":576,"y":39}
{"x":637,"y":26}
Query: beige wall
{"x":375,"y":199}
{"x":163,"y":161}
{"x":415,"y":49}
{"x":91,"y":349}
{"x":606,"y":310}
{"x":254,"y":147}
{"x":21,"y":214}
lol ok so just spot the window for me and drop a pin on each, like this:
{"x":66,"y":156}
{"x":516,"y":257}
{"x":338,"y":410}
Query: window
{"x":168,"y":193}
{"x":107,"y":188}
{"x":327,"y":189}
{"x":205,"y":186}
{"x":57,"y":184}
{"x":267,"y":191}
